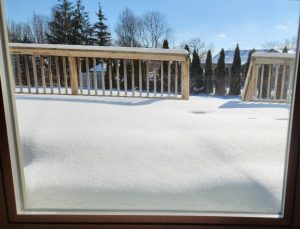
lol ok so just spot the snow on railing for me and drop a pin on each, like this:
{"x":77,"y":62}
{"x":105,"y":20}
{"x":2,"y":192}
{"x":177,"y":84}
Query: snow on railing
{"x":94,"y":70}
{"x":269,"y":78}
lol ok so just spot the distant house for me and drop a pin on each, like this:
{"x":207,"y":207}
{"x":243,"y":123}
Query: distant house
{"x":99,"y":79}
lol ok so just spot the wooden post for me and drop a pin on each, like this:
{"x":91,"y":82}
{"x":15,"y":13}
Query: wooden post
{"x":147,"y":77}
{"x":110,"y":78}
{"x":276,"y":81}
{"x":155,"y":77}
{"x":125,"y":76}
{"x":169,"y":78}
{"x":50,"y":74}
{"x":36,"y":83}
{"x":65,"y":74}
{"x":140,"y":77}
{"x":80,"y":75}
{"x":118,"y":77}
{"x":162,"y":78}
{"x":95,"y":76}
{"x":73,"y":75}
{"x":57,"y":75}
{"x":19,"y":73}
{"x":261,"y":80}
{"x":283,"y":81}
{"x":102,"y":76}
{"x":176,"y":78}
{"x":43,"y":74}
{"x":269,"y":80}
{"x":185,"y":91}
{"x":88,"y":78}
{"x":132,"y":78}
{"x":247,"y":91}
{"x":27,"y":74}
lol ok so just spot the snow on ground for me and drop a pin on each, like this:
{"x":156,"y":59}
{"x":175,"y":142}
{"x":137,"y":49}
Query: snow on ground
{"x":110,"y":153}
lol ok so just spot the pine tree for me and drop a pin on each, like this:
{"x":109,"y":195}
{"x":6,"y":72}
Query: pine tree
{"x":61,"y":26}
{"x":101,"y":33}
{"x":220,"y":74}
{"x":209,"y":73}
{"x":196,"y":72}
{"x":165,"y":44}
{"x":248,"y":60}
{"x":285,"y":50}
{"x":235,"y":87}
{"x":81,"y":25}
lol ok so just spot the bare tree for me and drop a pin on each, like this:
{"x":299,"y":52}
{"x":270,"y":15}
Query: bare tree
{"x":199,"y":45}
{"x":154,"y":29}
{"x":39,"y":27}
{"x":128,"y":29}
{"x":289,"y":43}
{"x":20,"y":32}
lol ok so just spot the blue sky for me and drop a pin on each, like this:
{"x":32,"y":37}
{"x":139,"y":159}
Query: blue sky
{"x":221,"y":22}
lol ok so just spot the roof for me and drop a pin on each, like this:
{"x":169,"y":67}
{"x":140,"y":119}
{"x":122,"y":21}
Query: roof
{"x":229,"y":54}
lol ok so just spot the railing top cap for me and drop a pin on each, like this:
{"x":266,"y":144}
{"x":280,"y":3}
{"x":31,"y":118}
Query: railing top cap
{"x":273,"y":55}
{"x":182,"y":52}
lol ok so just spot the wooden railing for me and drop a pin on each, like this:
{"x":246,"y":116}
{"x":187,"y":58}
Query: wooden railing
{"x":116,"y":71}
{"x":269,"y":78}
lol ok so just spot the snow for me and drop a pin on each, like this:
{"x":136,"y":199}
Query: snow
{"x":205,"y":154}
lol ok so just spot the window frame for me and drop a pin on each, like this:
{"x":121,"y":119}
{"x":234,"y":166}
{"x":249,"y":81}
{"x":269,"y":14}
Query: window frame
{"x":8,"y":210}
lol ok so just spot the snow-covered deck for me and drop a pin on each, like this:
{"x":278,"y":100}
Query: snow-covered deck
{"x":110,"y":153}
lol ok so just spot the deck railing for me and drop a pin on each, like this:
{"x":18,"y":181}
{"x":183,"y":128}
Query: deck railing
{"x":94,"y":70}
{"x":269,"y":78}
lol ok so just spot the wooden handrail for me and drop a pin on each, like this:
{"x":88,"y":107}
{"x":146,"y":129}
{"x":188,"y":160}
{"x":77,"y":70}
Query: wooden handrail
{"x":70,"y":60}
{"x":269,"y":77}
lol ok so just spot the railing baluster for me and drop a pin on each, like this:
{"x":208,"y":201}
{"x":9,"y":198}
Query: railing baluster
{"x":261,"y":80}
{"x":27,"y":74}
{"x":125,"y":76}
{"x":276,"y":81}
{"x":95,"y":76}
{"x":50,"y":74}
{"x":65,"y":75}
{"x":154,"y":75}
{"x":19,"y":73}
{"x":36,"y":83}
{"x":140,"y":77}
{"x":176,"y":78}
{"x":283,"y":81}
{"x":80,"y":75}
{"x":169,"y":78}
{"x":73,"y":75}
{"x":88,"y":78}
{"x":118,"y":77}
{"x":147,"y":77}
{"x":57,"y":75}
{"x":269,"y":81}
{"x":162,"y":78}
{"x":43,"y":74}
{"x":110,"y":78}
{"x":102,"y":76}
{"x":132,"y":78}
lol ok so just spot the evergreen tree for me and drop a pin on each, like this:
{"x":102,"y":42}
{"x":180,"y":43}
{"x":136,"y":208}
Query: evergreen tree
{"x":81,"y":25}
{"x":102,"y":35}
{"x":235,"y":86}
{"x":285,"y":50}
{"x":61,"y":26}
{"x":209,"y":73}
{"x":220,"y":74}
{"x":196,"y":72}
{"x":187,"y":48}
{"x":248,"y":60}
{"x":165,"y":44}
